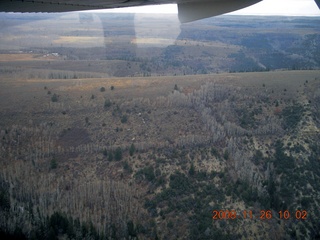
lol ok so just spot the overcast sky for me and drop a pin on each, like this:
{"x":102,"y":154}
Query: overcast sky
{"x":266,"y":7}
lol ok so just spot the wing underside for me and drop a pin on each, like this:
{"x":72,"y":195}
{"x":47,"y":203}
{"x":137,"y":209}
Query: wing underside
{"x":64,"y":5}
{"x":192,"y":11}
{"x":189,"y":10}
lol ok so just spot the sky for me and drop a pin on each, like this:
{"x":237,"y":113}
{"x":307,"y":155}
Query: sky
{"x":266,"y":7}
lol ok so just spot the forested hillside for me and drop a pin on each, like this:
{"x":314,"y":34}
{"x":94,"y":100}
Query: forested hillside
{"x":136,"y":158}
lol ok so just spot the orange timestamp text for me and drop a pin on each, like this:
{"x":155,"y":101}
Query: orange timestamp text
{"x":263,"y":214}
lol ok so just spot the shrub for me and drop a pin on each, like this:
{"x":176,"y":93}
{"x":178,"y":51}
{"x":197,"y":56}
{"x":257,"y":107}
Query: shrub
{"x":118,"y":154}
{"x":132,"y":231}
{"x":87,"y":120}
{"x":170,"y":224}
{"x":147,"y":172}
{"x":127,"y":167}
{"x":214,"y":152}
{"x":110,"y":156}
{"x":4,"y":199}
{"x":53,"y":164}
{"x":292,"y":115}
{"x":102,"y":89}
{"x":105,"y":152}
{"x":180,"y":182}
{"x":257,"y":157}
{"x":226,"y":155}
{"x":54,"y":98}
{"x":124,"y":119}
{"x":107,"y":103}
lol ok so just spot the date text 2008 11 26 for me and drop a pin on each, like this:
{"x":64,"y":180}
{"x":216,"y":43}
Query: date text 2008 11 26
{"x":263,"y":214}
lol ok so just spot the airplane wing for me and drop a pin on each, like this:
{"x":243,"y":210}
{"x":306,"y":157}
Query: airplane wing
{"x":189,"y":10}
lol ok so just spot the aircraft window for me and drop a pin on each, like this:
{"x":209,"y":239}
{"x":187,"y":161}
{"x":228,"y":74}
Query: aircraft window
{"x":127,"y":126}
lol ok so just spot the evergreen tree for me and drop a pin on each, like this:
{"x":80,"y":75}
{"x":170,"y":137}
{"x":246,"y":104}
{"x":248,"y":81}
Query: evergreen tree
{"x":118,"y":154}
{"x":192,"y":170}
{"x":132,"y":150}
